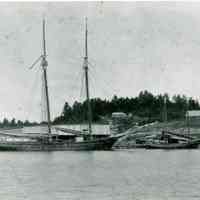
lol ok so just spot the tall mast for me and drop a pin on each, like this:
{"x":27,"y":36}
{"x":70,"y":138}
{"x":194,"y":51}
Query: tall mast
{"x":86,"y":81}
{"x":44,"y":65}
{"x":165,"y":109}
{"x":187,"y":118}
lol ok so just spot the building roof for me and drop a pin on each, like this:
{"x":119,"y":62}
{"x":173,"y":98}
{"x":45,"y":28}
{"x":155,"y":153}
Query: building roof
{"x":119,"y":114}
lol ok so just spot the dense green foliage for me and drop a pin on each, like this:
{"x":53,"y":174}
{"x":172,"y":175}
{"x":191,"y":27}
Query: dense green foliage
{"x":15,"y":123}
{"x":145,"y":105}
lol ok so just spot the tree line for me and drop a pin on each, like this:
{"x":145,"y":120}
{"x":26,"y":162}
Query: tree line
{"x":13,"y":123}
{"x":144,"y":106}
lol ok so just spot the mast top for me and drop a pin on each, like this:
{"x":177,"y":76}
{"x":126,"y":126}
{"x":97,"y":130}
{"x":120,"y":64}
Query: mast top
{"x":86,"y":34}
{"x":44,"y":61}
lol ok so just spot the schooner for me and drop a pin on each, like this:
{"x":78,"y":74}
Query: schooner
{"x":59,"y":141}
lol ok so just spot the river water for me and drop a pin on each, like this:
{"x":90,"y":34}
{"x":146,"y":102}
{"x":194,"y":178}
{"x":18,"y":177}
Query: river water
{"x":136,"y":174}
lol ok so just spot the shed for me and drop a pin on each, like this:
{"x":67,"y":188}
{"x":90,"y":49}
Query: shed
{"x":193,"y":117}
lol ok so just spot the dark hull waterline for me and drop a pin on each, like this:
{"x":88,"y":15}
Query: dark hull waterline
{"x":189,"y":145}
{"x":98,"y":144}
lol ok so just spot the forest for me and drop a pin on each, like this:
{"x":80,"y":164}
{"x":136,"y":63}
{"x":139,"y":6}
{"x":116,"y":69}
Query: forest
{"x":145,"y":106}
{"x":13,"y":123}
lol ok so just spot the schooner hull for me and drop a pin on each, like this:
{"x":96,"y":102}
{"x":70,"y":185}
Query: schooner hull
{"x":100,"y":144}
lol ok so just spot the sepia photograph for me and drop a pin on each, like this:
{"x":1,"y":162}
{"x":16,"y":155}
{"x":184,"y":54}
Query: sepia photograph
{"x":100,"y":100}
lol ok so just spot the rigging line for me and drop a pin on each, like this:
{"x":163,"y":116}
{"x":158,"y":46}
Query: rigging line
{"x":79,"y":48}
{"x":92,"y":81}
{"x":92,"y":60}
{"x":35,"y":62}
{"x":105,"y":84}
{"x":76,"y":80}
{"x":30,"y":102}
{"x":76,"y":76}
{"x":97,"y":80}
{"x":96,"y":71}
{"x":104,"y":89}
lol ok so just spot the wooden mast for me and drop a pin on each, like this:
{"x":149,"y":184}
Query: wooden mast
{"x":44,"y":65}
{"x":87,"y":81}
{"x":188,"y":119}
{"x":165,"y":109}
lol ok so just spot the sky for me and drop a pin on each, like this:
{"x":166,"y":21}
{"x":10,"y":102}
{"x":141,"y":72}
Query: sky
{"x":132,"y":46}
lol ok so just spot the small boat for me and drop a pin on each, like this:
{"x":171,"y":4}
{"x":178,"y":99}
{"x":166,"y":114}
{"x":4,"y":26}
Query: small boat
{"x":188,"y":145}
{"x":169,"y":141}
{"x":63,"y":139}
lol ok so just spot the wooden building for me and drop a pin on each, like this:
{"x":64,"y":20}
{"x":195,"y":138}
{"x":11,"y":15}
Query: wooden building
{"x":193,"y":117}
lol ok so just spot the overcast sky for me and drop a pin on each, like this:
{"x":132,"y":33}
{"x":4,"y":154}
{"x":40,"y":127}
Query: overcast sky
{"x":132,"y":47}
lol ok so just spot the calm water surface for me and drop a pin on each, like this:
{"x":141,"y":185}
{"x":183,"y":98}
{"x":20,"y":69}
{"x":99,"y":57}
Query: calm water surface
{"x":104,"y":175}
